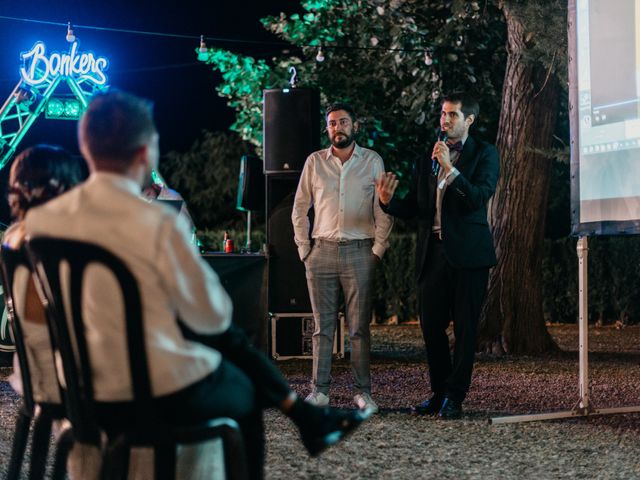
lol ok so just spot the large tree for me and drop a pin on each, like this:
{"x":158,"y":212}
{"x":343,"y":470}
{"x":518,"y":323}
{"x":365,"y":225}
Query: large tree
{"x":536,"y":46}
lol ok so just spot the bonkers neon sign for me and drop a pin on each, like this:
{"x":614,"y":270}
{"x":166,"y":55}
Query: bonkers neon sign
{"x":37,"y":67}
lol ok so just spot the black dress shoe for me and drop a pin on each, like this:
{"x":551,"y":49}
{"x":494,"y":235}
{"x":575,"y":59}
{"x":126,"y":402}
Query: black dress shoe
{"x":430,"y":406}
{"x":451,"y":409}
{"x":326,"y":426}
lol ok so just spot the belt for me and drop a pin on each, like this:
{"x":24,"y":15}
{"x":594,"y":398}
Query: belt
{"x":339,"y":243}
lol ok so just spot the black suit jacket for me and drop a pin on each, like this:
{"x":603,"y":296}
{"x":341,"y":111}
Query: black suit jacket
{"x":467,"y":240}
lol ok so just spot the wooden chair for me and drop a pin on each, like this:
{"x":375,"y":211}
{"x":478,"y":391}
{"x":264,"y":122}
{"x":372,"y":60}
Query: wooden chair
{"x":67,"y":328}
{"x":12,"y":260}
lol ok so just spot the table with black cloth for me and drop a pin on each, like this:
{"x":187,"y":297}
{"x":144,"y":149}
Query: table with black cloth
{"x":244,"y":277}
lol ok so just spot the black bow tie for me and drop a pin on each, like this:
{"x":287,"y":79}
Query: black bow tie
{"x":456,"y":147}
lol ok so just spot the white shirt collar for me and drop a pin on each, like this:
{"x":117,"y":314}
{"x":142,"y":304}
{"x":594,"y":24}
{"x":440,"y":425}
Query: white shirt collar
{"x":119,"y":181}
{"x":357,"y":152}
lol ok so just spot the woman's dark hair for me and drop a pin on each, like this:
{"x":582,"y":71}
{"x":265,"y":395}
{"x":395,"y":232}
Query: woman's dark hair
{"x":41,"y":173}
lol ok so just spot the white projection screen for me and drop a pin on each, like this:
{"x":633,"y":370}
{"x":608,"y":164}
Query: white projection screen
{"x":604,"y":98}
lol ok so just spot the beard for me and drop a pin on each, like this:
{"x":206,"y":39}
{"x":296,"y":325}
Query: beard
{"x":344,"y":142}
{"x":454,"y":132}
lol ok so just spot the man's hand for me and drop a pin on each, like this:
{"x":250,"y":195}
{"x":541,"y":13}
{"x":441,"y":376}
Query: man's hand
{"x":441,"y":154}
{"x":386,"y":185}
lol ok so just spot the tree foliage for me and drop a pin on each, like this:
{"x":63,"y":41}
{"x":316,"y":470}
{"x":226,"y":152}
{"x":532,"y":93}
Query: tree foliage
{"x":391,"y":59}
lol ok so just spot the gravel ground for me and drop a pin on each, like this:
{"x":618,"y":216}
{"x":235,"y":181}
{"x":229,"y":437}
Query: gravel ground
{"x":397,"y":445}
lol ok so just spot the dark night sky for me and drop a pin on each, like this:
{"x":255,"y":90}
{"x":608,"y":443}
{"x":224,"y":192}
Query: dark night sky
{"x":162,"y":69}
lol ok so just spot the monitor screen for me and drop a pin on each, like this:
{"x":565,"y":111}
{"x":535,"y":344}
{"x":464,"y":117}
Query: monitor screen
{"x":604,"y":80}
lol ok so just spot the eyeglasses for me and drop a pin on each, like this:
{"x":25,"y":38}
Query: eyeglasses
{"x":344,"y":122}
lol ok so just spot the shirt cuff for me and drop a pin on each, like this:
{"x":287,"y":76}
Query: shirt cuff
{"x":378,"y":250}
{"x":451,"y":176}
{"x":303,"y":251}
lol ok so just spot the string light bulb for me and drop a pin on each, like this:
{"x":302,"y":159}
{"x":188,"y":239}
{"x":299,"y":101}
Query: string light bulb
{"x":203,"y":51}
{"x":70,"y":36}
{"x":320,"y":55}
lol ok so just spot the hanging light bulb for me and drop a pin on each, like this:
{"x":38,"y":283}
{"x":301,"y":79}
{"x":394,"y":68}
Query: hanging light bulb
{"x":427,"y":58}
{"x":203,"y":51}
{"x":70,"y":36}
{"x":320,"y":55}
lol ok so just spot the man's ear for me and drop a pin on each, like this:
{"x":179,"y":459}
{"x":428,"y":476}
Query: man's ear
{"x":141,"y":155}
{"x":356,"y":126}
{"x":470,"y":119}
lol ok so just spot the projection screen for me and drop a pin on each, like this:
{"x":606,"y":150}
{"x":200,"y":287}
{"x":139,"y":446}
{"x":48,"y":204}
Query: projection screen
{"x":604,"y":84}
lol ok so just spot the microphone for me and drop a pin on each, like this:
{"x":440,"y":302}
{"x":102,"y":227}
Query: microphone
{"x":435,"y":166}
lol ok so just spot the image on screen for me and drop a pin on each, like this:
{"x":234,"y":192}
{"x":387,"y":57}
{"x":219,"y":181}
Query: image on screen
{"x":608,"y":77}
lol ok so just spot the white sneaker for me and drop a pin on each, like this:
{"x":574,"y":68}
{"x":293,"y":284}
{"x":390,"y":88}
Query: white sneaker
{"x":318,"y":399}
{"x":365,"y":402}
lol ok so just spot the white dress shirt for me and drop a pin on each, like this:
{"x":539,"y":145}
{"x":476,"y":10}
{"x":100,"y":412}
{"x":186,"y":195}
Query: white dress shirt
{"x":153,"y":241}
{"x":344,"y":200}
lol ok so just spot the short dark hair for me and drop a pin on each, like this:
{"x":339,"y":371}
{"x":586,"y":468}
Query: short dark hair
{"x":334,"y":107}
{"x":468,"y":104}
{"x":114,"y":126}
{"x":41,"y":173}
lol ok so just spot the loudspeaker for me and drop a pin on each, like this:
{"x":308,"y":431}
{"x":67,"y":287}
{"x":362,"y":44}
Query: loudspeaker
{"x":287,"y":279}
{"x":291,"y":128}
{"x":250,"y":184}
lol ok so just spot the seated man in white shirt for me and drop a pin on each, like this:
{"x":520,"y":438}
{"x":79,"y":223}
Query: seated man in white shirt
{"x":190,"y":380}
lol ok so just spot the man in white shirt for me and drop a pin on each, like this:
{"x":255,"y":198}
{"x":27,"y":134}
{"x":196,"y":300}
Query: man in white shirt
{"x":350,"y":235}
{"x":190,"y":381}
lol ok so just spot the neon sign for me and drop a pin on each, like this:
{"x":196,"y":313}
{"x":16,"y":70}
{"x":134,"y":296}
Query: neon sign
{"x":37,"y":67}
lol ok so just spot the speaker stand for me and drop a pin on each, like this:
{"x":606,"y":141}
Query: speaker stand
{"x":247,"y":246}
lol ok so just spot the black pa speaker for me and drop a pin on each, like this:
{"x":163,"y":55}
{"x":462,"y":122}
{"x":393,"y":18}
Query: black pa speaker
{"x":287,"y":279}
{"x":291,"y":122}
{"x":250,"y":185}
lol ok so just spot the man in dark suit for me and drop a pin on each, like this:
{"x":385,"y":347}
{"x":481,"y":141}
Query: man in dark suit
{"x":448,"y":194}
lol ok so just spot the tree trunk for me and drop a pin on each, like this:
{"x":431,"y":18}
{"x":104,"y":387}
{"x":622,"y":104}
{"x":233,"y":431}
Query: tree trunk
{"x":513,"y":317}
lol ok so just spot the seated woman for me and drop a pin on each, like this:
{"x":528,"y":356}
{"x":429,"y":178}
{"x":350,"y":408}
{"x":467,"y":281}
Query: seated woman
{"x":37,"y":175}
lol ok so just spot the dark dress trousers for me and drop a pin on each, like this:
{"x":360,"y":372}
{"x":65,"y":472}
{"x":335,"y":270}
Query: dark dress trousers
{"x":452,"y":273}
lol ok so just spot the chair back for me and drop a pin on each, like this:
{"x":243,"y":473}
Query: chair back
{"x":13,"y":259}
{"x":60,"y":266}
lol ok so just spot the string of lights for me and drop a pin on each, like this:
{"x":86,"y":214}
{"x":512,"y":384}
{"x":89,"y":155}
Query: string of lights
{"x":320,"y":57}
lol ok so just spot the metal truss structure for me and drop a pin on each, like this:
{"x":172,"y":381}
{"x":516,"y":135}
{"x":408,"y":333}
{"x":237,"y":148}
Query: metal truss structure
{"x":27,"y":102}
